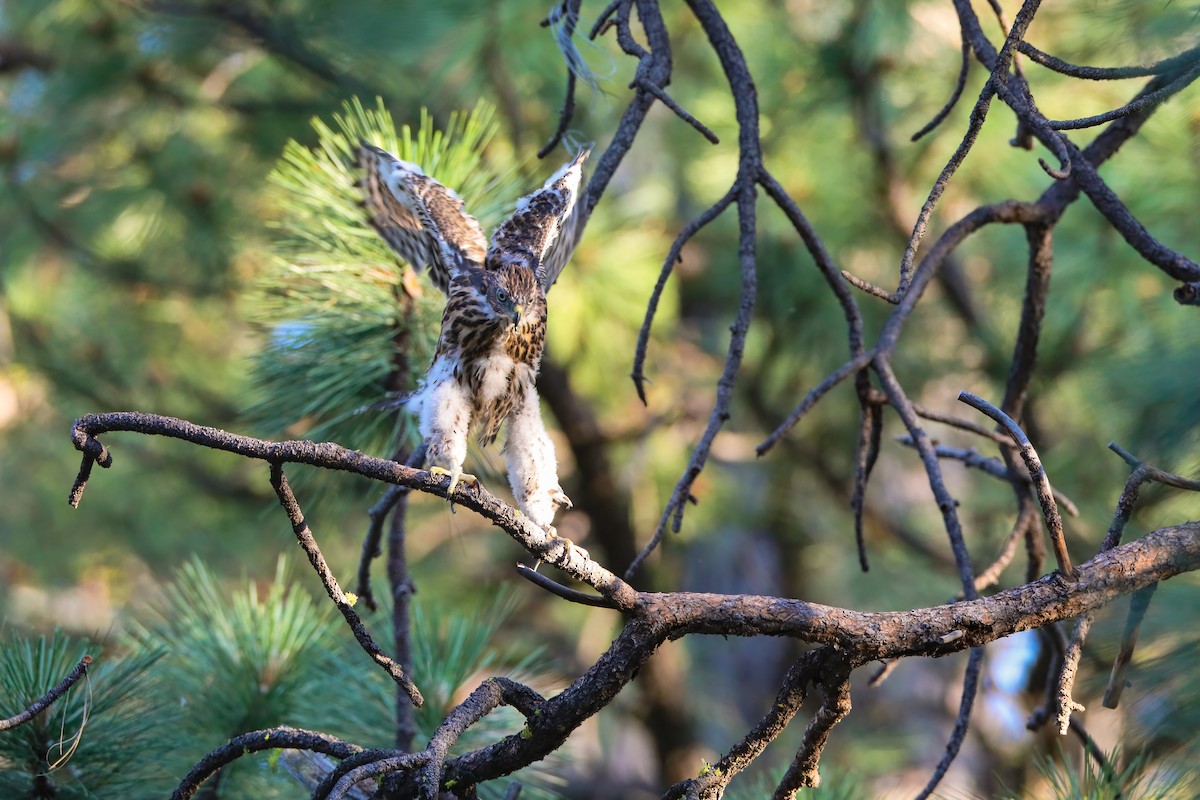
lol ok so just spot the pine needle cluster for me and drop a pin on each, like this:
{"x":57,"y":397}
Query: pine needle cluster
{"x":100,"y":739}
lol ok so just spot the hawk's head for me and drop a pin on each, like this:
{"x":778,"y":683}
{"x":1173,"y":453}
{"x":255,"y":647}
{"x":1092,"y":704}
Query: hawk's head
{"x":512,"y":293}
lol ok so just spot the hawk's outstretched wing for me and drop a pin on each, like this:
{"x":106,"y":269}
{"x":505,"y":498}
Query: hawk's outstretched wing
{"x":541,"y":233}
{"x":422,"y":220}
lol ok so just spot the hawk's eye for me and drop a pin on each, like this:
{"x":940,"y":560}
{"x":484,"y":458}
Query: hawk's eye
{"x":502,"y":296}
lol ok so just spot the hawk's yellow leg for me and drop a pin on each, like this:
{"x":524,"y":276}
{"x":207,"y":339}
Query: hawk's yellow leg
{"x":455,"y":476}
{"x":553,"y":531}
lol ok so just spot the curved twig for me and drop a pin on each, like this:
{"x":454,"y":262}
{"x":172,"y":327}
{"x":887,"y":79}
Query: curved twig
{"x":749,"y":166}
{"x":1139,"y":602}
{"x":49,"y":698}
{"x":999,"y":69}
{"x":378,"y":514}
{"x":814,"y":395}
{"x":374,"y":769}
{"x":1167,"y":65}
{"x":787,"y":703}
{"x":866,"y":453}
{"x":661,"y":95}
{"x":960,"y":83}
{"x":993,"y":466}
{"x":1037,"y":474}
{"x":282,"y":737}
{"x":565,"y":592}
{"x":345,"y":766}
{"x":1144,"y":101}
{"x":673,"y":256}
{"x":1084,"y":175}
{"x":308,"y":542}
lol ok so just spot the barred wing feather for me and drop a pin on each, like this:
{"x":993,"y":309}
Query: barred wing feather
{"x":422,"y":220}
{"x":541,"y":233}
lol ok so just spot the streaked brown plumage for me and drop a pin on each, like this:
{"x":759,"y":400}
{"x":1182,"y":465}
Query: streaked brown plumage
{"x":494,"y":326}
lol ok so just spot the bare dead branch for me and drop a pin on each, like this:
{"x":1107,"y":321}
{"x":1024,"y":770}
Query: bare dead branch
{"x":990,"y":575}
{"x":998,"y":68}
{"x":749,"y":167}
{"x":604,"y":19}
{"x":308,"y":543}
{"x":814,"y":395}
{"x":791,"y":695}
{"x":835,"y":705}
{"x":820,"y":256}
{"x":565,"y":592}
{"x":1033,"y":311}
{"x":946,"y":504}
{"x":1062,"y":706}
{"x":1144,"y":101}
{"x":1139,"y":601}
{"x":661,"y":95}
{"x":483,"y":700}
{"x":1036,"y":473}
{"x":1085,"y":176}
{"x":960,"y":83}
{"x":959,"y":734}
{"x":378,"y":514}
{"x":372,"y":769}
{"x":870,"y":288}
{"x":49,"y":698}
{"x":1173,"y":64}
{"x":673,"y":257}
{"x":331,"y":779}
{"x":282,"y":737}
{"x":962,"y":424}
{"x":866,"y":451}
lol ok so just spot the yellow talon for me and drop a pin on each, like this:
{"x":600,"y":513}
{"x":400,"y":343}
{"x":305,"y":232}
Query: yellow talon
{"x":455,"y":476}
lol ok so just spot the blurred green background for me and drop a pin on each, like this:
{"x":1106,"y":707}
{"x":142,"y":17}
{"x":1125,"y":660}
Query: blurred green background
{"x":138,"y":229}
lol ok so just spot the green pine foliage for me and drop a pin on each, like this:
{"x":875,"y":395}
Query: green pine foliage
{"x":102,"y":739}
{"x":335,"y":302}
{"x":239,"y":662}
{"x":833,"y":786}
{"x":271,"y":655}
{"x":1138,"y":780}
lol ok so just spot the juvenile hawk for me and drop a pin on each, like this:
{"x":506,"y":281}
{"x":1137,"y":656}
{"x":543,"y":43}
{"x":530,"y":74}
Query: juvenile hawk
{"x":494,"y":325}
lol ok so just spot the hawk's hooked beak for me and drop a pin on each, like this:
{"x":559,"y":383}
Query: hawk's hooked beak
{"x":518,"y":310}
